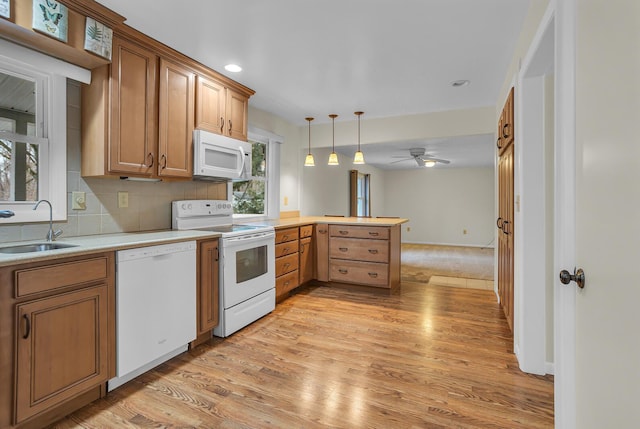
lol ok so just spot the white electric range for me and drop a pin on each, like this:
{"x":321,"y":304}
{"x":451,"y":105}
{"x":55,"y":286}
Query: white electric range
{"x":247,"y":261}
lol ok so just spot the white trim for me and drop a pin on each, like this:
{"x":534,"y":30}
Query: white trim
{"x":10,"y":52}
{"x":550,"y":368}
{"x":565,"y":213}
{"x":530,"y":327}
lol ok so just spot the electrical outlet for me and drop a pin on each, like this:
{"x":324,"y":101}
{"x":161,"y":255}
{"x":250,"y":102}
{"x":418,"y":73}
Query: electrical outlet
{"x":286,"y":201}
{"x":408,"y":229}
{"x":464,"y":232}
{"x":78,"y":201}
{"x":123,"y":200}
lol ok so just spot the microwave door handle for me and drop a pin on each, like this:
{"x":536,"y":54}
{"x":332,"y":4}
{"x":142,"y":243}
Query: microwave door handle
{"x":241,"y":157}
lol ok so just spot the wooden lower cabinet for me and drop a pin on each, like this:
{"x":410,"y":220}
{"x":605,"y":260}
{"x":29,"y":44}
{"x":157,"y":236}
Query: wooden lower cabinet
{"x":57,"y":337}
{"x":364,"y":255}
{"x":307,"y":259}
{"x":287,"y":259}
{"x":322,"y":252}
{"x":61,"y":349}
{"x":208,"y":297}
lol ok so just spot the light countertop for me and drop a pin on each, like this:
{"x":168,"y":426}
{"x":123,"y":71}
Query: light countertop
{"x":306,"y":220}
{"x":101,"y":243}
{"x":109,"y":242}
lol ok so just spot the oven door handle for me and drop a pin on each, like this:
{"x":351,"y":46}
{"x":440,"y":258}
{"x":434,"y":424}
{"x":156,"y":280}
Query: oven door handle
{"x":257,"y":236}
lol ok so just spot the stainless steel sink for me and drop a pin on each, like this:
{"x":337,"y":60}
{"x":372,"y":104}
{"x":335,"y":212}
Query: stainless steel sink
{"x":37,"y":247}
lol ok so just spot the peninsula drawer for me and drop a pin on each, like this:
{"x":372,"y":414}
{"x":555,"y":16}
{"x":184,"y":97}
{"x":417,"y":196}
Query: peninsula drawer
{"x":286,"y":264}
{"x":306,"y":231}
{"x":287,"y":248}
{"x":288,"y":234}
{"x":359,"y":249}
{"x":378,"y":233}
{"x":287,"y":282}
{"x":55,"y":276}
{"x":365,"y":273}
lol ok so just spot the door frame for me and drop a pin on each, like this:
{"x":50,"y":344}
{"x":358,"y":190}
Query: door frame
{"x":531,"y":266}
{"x":565,"y":212}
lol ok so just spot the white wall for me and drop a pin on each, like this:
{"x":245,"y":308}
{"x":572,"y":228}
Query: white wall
{"x":326,"y":187}
{"x":441,"y":203}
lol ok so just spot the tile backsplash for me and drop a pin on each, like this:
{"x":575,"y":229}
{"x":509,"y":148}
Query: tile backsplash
{"x":149,"y":205}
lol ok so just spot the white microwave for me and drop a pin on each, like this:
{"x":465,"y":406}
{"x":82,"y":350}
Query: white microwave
{"x":217,"y":157}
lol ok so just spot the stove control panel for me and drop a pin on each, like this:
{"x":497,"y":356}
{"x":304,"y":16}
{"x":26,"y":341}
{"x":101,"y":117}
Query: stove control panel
{"x":194,"y":208}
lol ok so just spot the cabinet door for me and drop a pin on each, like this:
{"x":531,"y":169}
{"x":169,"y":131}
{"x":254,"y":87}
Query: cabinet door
{"x":322,"y":252}
{"x":177,"y":106}
{"x":61,"y":348}
{"x":306,"y":260}
{"x":133,"y":136}
{"x":236,"y":115}
{"x":210,"y":105}
{"x":209,"y":284}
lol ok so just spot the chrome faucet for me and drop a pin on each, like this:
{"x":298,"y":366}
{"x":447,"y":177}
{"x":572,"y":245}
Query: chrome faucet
{"x":51,"y":235}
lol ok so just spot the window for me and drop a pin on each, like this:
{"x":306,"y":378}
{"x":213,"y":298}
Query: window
{"x":259,"y":196}
{"x":360,"y":204}
{"x":33,"y":132}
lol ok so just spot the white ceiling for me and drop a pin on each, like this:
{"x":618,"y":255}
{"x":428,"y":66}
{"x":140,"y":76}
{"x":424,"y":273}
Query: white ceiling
{"x":311,"y":58}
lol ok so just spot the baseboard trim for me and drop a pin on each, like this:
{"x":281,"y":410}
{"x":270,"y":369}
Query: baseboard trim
{"x":550,"y":368}
{"x":482,"y":246}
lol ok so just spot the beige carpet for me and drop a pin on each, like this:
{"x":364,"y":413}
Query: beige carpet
{"x":422,"y":261}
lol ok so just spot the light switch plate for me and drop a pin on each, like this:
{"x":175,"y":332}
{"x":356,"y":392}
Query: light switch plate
{"x":78,"y":201}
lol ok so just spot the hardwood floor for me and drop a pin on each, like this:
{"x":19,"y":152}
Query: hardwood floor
{"x":429,"y":357}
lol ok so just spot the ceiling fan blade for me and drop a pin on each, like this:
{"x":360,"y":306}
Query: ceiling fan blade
{"x":442,"y":161}
{"x":419,"y":161}
{"x":400,"y":160}
{"x":402,"y":156}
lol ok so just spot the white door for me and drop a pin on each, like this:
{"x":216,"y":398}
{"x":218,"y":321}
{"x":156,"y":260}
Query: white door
{"x":607,"y":217}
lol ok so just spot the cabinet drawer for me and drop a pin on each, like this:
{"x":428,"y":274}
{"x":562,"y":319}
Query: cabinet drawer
{"x":286,"y":264}
{"x":365,"y":273}
{"x":380,"y":233}
{"x":287,"y":282}
{"x":359,"y":249}
{"x":306,"y":231}
{"x":50,"y":277}
{"x":287,"y":248}
{"x":288,"y":234}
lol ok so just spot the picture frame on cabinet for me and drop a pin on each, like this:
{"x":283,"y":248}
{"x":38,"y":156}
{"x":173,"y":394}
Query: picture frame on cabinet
{"x":98,"y":38}
{"x":51,"y":18}
{"x":5,"y":8}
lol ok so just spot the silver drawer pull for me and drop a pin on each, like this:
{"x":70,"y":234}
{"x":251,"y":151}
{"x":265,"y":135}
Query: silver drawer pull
{"x":286,"y":283}
{"x":375,"y":234}
{"x":285,"y":238}
{"x":373,"y":251}
{"x":344,"y":232}
{"x":343,"y":249}
{"x":374,"y":275}
{"x":287,"y":265}
{"x":343,"y":271}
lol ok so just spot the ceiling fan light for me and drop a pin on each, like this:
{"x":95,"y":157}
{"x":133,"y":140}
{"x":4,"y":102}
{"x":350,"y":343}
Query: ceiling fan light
{"x":429,"y":163}
{"x":333,"y":159}
{"x":358,"y":158}
{"x":309,"y":161}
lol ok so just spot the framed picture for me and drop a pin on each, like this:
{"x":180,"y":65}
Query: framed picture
{"x":5,"y":8}
{"x":98,"y":38}
{"x":50,"y":18}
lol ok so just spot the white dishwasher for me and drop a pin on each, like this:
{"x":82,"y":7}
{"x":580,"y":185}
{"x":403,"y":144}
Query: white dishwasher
{"x":155,"y":306}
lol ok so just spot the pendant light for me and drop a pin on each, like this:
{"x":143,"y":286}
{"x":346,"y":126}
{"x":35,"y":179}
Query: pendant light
{"x":309,"y":161}
{"x":333,"y":157}
{"x":358,"y":158}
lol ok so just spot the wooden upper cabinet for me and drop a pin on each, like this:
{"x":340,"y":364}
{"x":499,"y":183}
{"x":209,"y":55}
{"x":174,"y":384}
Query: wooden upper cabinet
{"x":506,"y":128}
{"x":237,"y":110}
{"x":210,"y":105}
{"x":176,"y":120}
{"x":133,"y":128}
{"x":221,"y":110}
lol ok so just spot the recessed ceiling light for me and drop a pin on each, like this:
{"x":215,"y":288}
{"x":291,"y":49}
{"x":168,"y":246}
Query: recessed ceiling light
{"x":459,"y":83}
{"x":233,"y":68}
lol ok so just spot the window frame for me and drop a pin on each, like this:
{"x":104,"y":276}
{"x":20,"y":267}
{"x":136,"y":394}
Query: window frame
{"x":272,"y":178}
{"x":51,"y":125}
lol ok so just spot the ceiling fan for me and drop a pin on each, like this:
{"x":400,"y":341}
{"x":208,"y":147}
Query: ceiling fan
{"x":421,"y":158}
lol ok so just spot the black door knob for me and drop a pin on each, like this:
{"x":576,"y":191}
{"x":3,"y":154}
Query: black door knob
{"x":578,"y":276}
